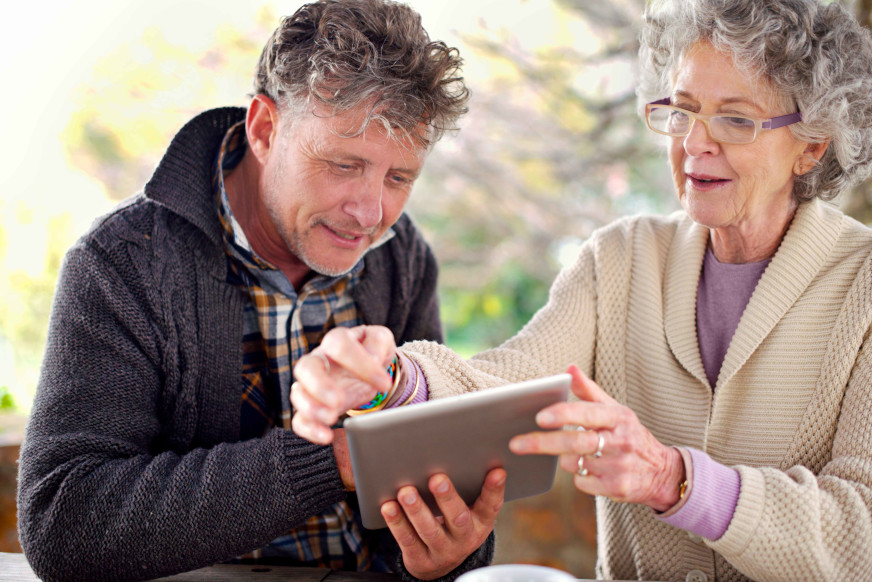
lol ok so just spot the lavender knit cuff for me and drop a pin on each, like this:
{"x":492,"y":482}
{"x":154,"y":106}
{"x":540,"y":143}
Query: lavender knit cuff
{"x":415,"y":375}
{"x":712,"y":500}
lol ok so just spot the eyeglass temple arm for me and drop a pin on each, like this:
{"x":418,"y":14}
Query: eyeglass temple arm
{"x":665,"y":101}
{"x":782,"y":120}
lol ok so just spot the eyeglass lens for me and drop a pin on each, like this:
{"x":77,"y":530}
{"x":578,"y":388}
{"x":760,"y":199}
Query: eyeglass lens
{"x":722,"y":127}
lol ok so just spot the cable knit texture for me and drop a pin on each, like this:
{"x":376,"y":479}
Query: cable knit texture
{"x":131,"y":467}
{"x":791,"y":411}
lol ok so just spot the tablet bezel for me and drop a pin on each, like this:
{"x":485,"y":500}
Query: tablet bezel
{"x":406,"y":446}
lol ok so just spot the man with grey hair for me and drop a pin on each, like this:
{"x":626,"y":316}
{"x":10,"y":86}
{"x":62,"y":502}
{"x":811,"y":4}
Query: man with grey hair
{"x":160,"y":439}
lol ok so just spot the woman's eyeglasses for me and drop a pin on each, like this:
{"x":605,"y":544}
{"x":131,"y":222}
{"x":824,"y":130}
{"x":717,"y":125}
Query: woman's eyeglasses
{"x":667,"y":119}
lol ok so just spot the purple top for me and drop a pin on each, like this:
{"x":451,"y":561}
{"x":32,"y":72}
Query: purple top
{"x":724,"y":291}
{"x":710,"y":499}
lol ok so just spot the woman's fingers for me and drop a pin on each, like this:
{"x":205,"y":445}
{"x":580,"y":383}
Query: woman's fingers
{"x":557,"y":442}
{"x":586,"y":389}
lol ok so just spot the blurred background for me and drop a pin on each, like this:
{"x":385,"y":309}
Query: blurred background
{"x":552,"y":148}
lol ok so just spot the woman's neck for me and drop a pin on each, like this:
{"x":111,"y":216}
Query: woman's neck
{"x":752,"y":241}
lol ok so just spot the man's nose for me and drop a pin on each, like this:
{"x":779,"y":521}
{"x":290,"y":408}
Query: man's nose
{"x":365,"y":204}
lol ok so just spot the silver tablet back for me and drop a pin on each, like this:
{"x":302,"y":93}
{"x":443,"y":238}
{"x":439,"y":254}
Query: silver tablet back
{"x":462,"y":436}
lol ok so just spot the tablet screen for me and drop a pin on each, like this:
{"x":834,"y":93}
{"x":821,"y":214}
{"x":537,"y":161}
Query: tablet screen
{"x":462,"y":436}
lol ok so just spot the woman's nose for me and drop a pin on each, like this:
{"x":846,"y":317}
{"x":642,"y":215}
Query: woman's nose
{"x":699,"y":140}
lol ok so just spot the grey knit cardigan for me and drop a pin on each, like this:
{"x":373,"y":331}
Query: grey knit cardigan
{"x":131,"y":467}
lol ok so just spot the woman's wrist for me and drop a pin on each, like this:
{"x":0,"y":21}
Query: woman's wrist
{"x":410,"y":380}
{"x":673,"y":482}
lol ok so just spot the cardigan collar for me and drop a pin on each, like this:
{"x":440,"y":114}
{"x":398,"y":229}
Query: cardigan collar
{"x":182,"y":181}
{"x":807,"y":243}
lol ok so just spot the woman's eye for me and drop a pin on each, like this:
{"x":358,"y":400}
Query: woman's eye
{"x":739,"y":122}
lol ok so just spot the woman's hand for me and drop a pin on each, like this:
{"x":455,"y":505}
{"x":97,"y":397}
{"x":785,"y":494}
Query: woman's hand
{"x":631,"y":465}
{"x":434,"y":546}
{"x":344,"y":372}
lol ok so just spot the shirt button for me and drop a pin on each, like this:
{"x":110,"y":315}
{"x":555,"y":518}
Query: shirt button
{"x":696,"y":576}
{"x":695,"y":538}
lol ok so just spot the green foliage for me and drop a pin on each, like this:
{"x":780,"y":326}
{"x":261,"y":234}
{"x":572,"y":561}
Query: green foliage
{"x":24,"y":312}
{"x":489,"y":314}
{"x":7,"y":401}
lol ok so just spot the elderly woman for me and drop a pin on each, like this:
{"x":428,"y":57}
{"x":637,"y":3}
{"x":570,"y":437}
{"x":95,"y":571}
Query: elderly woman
{"x":726,"y":393}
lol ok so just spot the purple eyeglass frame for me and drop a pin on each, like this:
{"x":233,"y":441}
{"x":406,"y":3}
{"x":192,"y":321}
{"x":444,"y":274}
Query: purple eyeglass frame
{"x":773,"y":123}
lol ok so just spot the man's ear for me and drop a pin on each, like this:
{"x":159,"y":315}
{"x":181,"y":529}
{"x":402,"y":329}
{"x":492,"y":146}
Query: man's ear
{"x":810,"y":156}
{"x":261,"y":126}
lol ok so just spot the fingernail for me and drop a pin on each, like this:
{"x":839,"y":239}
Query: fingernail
{"x":410,"y":498}
{"x":462,"y":519}
{"x":544,"y":418}
{"x":518,"y":445}
{"x":499,"y":482}
{"x":389,"y":509}
{"x":442,"y":487}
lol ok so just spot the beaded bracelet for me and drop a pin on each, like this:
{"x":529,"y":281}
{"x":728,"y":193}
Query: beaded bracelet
{"x":381,"y":398}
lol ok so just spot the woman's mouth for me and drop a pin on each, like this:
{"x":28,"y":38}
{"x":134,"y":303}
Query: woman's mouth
{"x":706,"y":182}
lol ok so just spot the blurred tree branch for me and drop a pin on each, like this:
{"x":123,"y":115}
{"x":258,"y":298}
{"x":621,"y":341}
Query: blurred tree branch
{"x":550,"y":151}
{"x":858,"y":202}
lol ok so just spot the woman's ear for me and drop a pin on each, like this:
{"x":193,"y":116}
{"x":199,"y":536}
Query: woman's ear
{"x":261,"y":126}
{"x":810,"y":157}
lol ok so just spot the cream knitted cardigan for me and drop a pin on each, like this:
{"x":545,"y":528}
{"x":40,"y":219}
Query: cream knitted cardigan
{"x":791,"y":411}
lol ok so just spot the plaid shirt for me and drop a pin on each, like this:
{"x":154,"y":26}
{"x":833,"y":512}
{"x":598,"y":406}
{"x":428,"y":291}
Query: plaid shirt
{"x":280,"y":325}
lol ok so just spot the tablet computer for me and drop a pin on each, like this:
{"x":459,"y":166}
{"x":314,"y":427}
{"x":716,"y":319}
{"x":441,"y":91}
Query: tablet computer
{"x":462,"y":436}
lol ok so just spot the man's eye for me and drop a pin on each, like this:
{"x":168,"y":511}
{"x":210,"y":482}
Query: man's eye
{"x":400,"y":180}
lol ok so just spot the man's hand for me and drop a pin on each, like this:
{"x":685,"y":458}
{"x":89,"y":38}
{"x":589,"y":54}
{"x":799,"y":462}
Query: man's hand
{"x":434,"y":546}
{"x":345,"y":371}
{"x":343,"y":458}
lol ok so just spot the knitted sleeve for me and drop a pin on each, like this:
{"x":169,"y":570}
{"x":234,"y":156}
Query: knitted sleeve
{"x":106,"y":490}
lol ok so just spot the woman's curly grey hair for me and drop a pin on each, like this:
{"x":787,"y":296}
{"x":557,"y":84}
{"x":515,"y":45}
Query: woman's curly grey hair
{"x":816,"y":56}
{"x":372,"y":53}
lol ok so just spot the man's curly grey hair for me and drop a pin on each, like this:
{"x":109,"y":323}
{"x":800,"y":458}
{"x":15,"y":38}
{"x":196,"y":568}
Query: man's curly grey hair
{"x":371,"y":53}
{"x":815,"y":56}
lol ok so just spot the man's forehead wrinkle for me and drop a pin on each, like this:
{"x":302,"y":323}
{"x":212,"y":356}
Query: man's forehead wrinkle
{"x":316,"y":146}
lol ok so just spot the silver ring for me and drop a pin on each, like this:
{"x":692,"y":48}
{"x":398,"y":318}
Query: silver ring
{"x":324,"y":359}
{"x":582,"y":470}
{"x":599,"y":446}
